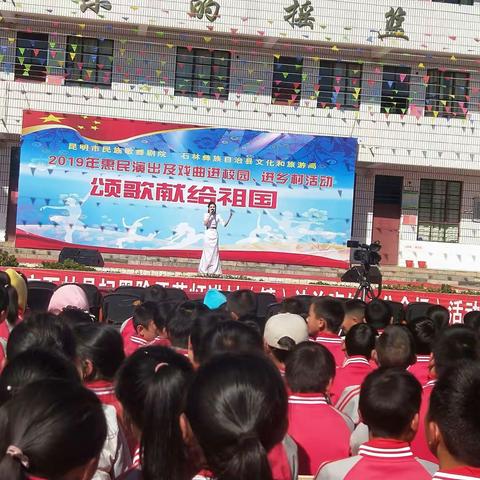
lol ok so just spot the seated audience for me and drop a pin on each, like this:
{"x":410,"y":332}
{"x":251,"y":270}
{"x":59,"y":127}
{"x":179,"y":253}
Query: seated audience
{"x":282,"y":332}
{"x":242,"y":303}
{"x":155,"y":294}
{"x":321,"y":432}
{"x":354,"y":314}
{"x":453,"y":345}
{"x":52,"y":429}
{"x":237,"y":409}
{"x":325,"y":319}
{"x":214,"y":299}
{"x":423,"y":332}
{"x":389,"y":404}
{"x":293,"y":305}
{"x":152,"y":387}
{"x":378,"y":314}
{"x":472,"y":320}
{"x":453,"y":423}
{"x":439,"y":315}
{"x":74,"y":316}
{"x":359,"y":344}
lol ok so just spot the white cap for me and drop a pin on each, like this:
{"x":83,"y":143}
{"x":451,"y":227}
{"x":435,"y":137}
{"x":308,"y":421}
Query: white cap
{"x":285,"y":325}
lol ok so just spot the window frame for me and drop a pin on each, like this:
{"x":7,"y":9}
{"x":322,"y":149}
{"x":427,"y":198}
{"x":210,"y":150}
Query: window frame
{"x":325,"y":96}
{"x":94,"y":81}
{"x":37,"y":72}
{"x":436,"y":81}
{"x":388,"y":101}
{"x":221,"y":59}
{"x":283,"y":89}
{"x":437,"y":207}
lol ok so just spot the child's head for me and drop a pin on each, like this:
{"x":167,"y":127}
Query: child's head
{"x":75,"y":316}
{"x":360,"y":340}
{"x":395,"y":348}
{"x":51,"y":429}
{"x":18,"y":283}
{"x":237,"y":408}
{"x":453,"y":420}
{"x":44,"y":331}
{"x":325,"y":314}
{"x":100,"y":351}
{"x":472,"y":320}
{"x":453,"y":345}
{"x":179,"y":326}
{"x":310,"y":368}
{"x":439,"y":315}
{"x":152,"y":385}
{"x":241,"y":303}
{"x":354,"y":313}
{"x":230,"y":336}
{"x":155,"y":293}
{"x":423,"y":332}
{"x":200,"y":328}
{"x":68,"y":296}
{"x":378,"y":314}
{"x":145,"y":321}
{"x":389,"y":404}
{"x":31,"y":366}
{"x":282,"y":332}
{"x":292,"y":305}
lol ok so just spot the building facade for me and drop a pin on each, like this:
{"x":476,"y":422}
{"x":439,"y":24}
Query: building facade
{"x":403,"y":79}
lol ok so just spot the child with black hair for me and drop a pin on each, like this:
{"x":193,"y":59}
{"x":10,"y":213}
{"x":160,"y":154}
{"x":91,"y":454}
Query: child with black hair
{"x":423,"y":332}
{"x":325,"y":319}
{"x":202,"y":325}
{"x":230,"y":336}
{"x":155,"y":294}
{"x":75,"y":316}
{"x":453,"y":345}
{"x":359,"y":344}
{"x":472,"y":320}
{"x":152,"y":386}
{"x":393,"y":349}
{"x":34,"y":365}
{"x":354,"y":314}
{"x":378,"y":314}
{"x":45,"y":331}
{"x":293,"y":305}
{"x":51,"y":429}
{"x":439,"y":315}
{"x":389,"y":405}
{"x":179,"y":326}
{"x":149,"y":328}
{"x":241,"y":303}
{"x":310,"y":370}
{"x":237,"y":409}
{"x":453,"y":423}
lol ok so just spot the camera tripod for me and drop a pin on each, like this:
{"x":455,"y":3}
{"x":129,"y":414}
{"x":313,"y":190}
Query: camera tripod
{"x":365,"y":290}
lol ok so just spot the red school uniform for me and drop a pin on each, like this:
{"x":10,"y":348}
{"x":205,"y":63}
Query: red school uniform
{"x":334,"y":344}
{"x":377,"y":460}
{"x":353,"y":372}
{"x":419,"y":443}
{"x":420,"y":369}
{"x":321,"y":432}
{"x":460,"y":473}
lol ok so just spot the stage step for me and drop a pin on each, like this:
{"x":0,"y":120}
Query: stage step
{"x":391,"y":274}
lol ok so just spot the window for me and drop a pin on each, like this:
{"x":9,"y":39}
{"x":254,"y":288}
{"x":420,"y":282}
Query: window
{"x":287,"y":80}
{"x":439,"y":210}
{"x":447,"y":94}
{"x":458,"y":2}
{"x":31,"y":57}
{"x":340,"y":85}
{"x":89,"y":61}
{"x":395,"y":89}
{"x":201,"y":72}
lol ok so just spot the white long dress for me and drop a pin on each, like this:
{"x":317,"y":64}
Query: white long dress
{"x":210,"y":261}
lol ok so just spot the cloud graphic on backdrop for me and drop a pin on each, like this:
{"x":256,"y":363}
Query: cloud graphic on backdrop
{"x":131,"y":235}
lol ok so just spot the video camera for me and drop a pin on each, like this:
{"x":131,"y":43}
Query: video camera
{"x":367,"y":255}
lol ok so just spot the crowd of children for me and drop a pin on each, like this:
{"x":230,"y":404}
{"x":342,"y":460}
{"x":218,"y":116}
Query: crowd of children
{"x":207,"y":390}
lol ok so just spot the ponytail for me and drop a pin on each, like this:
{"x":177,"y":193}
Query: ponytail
{"x":237,"y":407}
{"x":43,"y":416}
{"x":12,"y":308}
{"x":152,"y":386}
{"x":249,"y":460}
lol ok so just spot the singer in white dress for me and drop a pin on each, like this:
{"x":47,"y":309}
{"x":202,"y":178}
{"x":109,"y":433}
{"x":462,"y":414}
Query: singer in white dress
{"x":210,"y":261}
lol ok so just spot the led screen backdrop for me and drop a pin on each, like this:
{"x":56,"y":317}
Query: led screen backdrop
{"x":143,"y":187}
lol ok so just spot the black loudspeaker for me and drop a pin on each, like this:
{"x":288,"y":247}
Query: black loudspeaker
{"x":84,"y":256}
